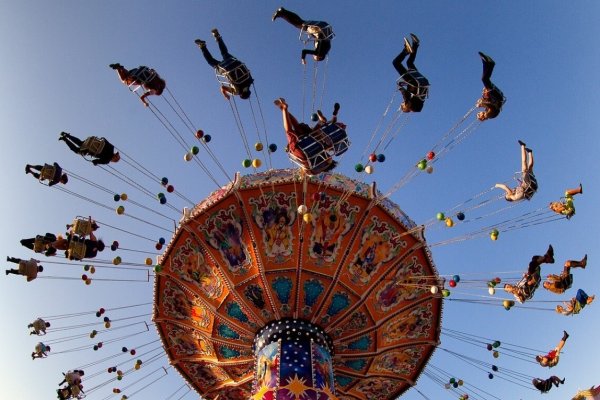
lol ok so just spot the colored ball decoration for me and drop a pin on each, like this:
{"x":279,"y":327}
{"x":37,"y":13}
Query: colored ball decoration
{"x":429,"y":169}
{"x":256,"y":163}
{"x":206,"y":138}
{"x":86,"y":267}
{"x":495,"y":354}
{"x":170,"y":188}
{"x":107,"y":325}
{"x":117,"y":197}
{"x":120,"y":210}
{"x":124,"y":349}
{"x":132,"y":352}
{"x":158,"y":246}
{"x":124,"y":196}
{"x":157,"y":268}
{"x":496,"y":344}
{"x":307,"y":217}
{"x":445,"y":293}
{"x":434,"y":289}
{"x":491,"y":376}
{"x":199,"y":134}
{"x":449,"y":222}
{"x":88,"y":281}
{"x":489,"y":347}
{"x":247,"y":163}
{"x":302,"y":209}
{"x":162,"y":240}
{"x":460,"y":216}
{"x":456,"y":278}
{"x":380,"y":157}
{"x":422,"y":164}
{"x":188,"y":156}
{"x":430,"y":156}
{"x":373,"y":157}
{"x":163,"y":200}
{"x":164,"y":181}
{"x":440,"y":216}
{"x":359,"y":168}
{"x":195,"y":150}
{"x":117,"y":260}
{"x":369,"y":169}
{"x":258,"y":146}
{"x":492,"y":291}
{"x":452,"y":283}
{"x":494,"y":368}
{"x":272,"y":147}
{"x":148,"y":261}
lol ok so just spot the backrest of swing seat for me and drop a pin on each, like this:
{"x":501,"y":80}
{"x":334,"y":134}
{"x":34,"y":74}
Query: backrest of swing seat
{"x":93,"y":145}
{"x":310,"y":28}
{"x":316,"y":154}
{"x":338,"y":137}
{"x":47,"y":172}
{"x":232,"y":72}
{"x":144,"y":75}
{"x":422,"y":84}
{"x":39,"y":245}
{"x":81,"y":226}
{"x":76,"y":250}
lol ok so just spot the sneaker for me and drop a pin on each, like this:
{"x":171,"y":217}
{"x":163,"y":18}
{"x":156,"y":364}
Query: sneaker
{"x":550,"y":250}
{"x":6,"y":272}
{"x":407,"y":46}
{"x":580,"y":189}
{"x":215,"y":33}
{"x":26,"y":172}
{"x":115,"y":66}
{"x":528,"y":150}
{"x":486,"y":58}
{"x":584,"y":262}
{"x":415,"y":39}
{"x":200,"y":43}
{"x":336,"y":108}
{"x":276,"y":14}
{"x":521,"y":143}
{"x":565,"y":335}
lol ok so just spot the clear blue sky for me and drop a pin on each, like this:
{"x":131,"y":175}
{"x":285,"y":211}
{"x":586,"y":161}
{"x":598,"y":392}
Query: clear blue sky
{"x":54,"y":66}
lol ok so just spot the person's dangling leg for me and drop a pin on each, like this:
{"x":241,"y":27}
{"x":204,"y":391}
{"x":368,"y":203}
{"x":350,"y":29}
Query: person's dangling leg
{"x":289,"y":16}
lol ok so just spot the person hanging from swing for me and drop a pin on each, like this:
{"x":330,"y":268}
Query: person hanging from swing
{"x":40,"y":351}
{"x":28,"y":268}
{"x":39,"y":327}
{"x":296,"y":132}
{"x":102,"y":151}
{"x":492,"y":98}
{"x":142,"y":76}
{"x":576,"y":304}
{"x":560,"y":283}
{"x":566,"y":207}
{"x":551,"y":359}
{"x":319,"y":32}
{"x":527,"y":183}
{"x":412,"y":84}
{"x":544,"y":385}
{"x":233,"y":70}
{"x":525,"y":288}
{"x":52,"y":173}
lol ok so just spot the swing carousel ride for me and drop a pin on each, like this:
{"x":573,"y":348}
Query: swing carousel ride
{"x":285,"y":283}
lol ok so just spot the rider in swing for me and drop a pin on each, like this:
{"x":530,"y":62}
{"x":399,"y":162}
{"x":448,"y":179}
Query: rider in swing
{"x":234,"y":70}
{"x":413,"y":86}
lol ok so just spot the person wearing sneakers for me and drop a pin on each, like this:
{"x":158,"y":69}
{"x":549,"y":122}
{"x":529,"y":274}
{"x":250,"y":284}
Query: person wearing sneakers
{"x":526,"y":287}
{"x":28,"y":268}
{"x":544,"y":385}
{"x":52,"y":173}
{"x":560,"y":283}
{"x":566,"y":207}
{"x":413,"y":86}
{"x":142,"y":76}
{"x":576,"y":304}
{"x":235,"y":71}
{"x":320,"y":31}
{"x":551,"y":359}
{"x":99,"y":148}
{"x":492,"y":98}
{"x":527,"y":184}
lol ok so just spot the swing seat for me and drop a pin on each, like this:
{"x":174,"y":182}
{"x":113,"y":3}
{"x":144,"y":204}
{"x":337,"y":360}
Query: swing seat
{"x":81,"y":226}
{"x":93,"y":145}
{"x":338,"y":138}
{"x":40,"y":244}
{"x":142,"y":76}
{"x":415,"y":83}
{"x":523,"y":291}
{"x":317,"y":156}
{"x":47,"y":172}
{"x":312,"y":31}
{"x":76,"y":249}
{"x":233,"y":73}
{"x":527,"y":183}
